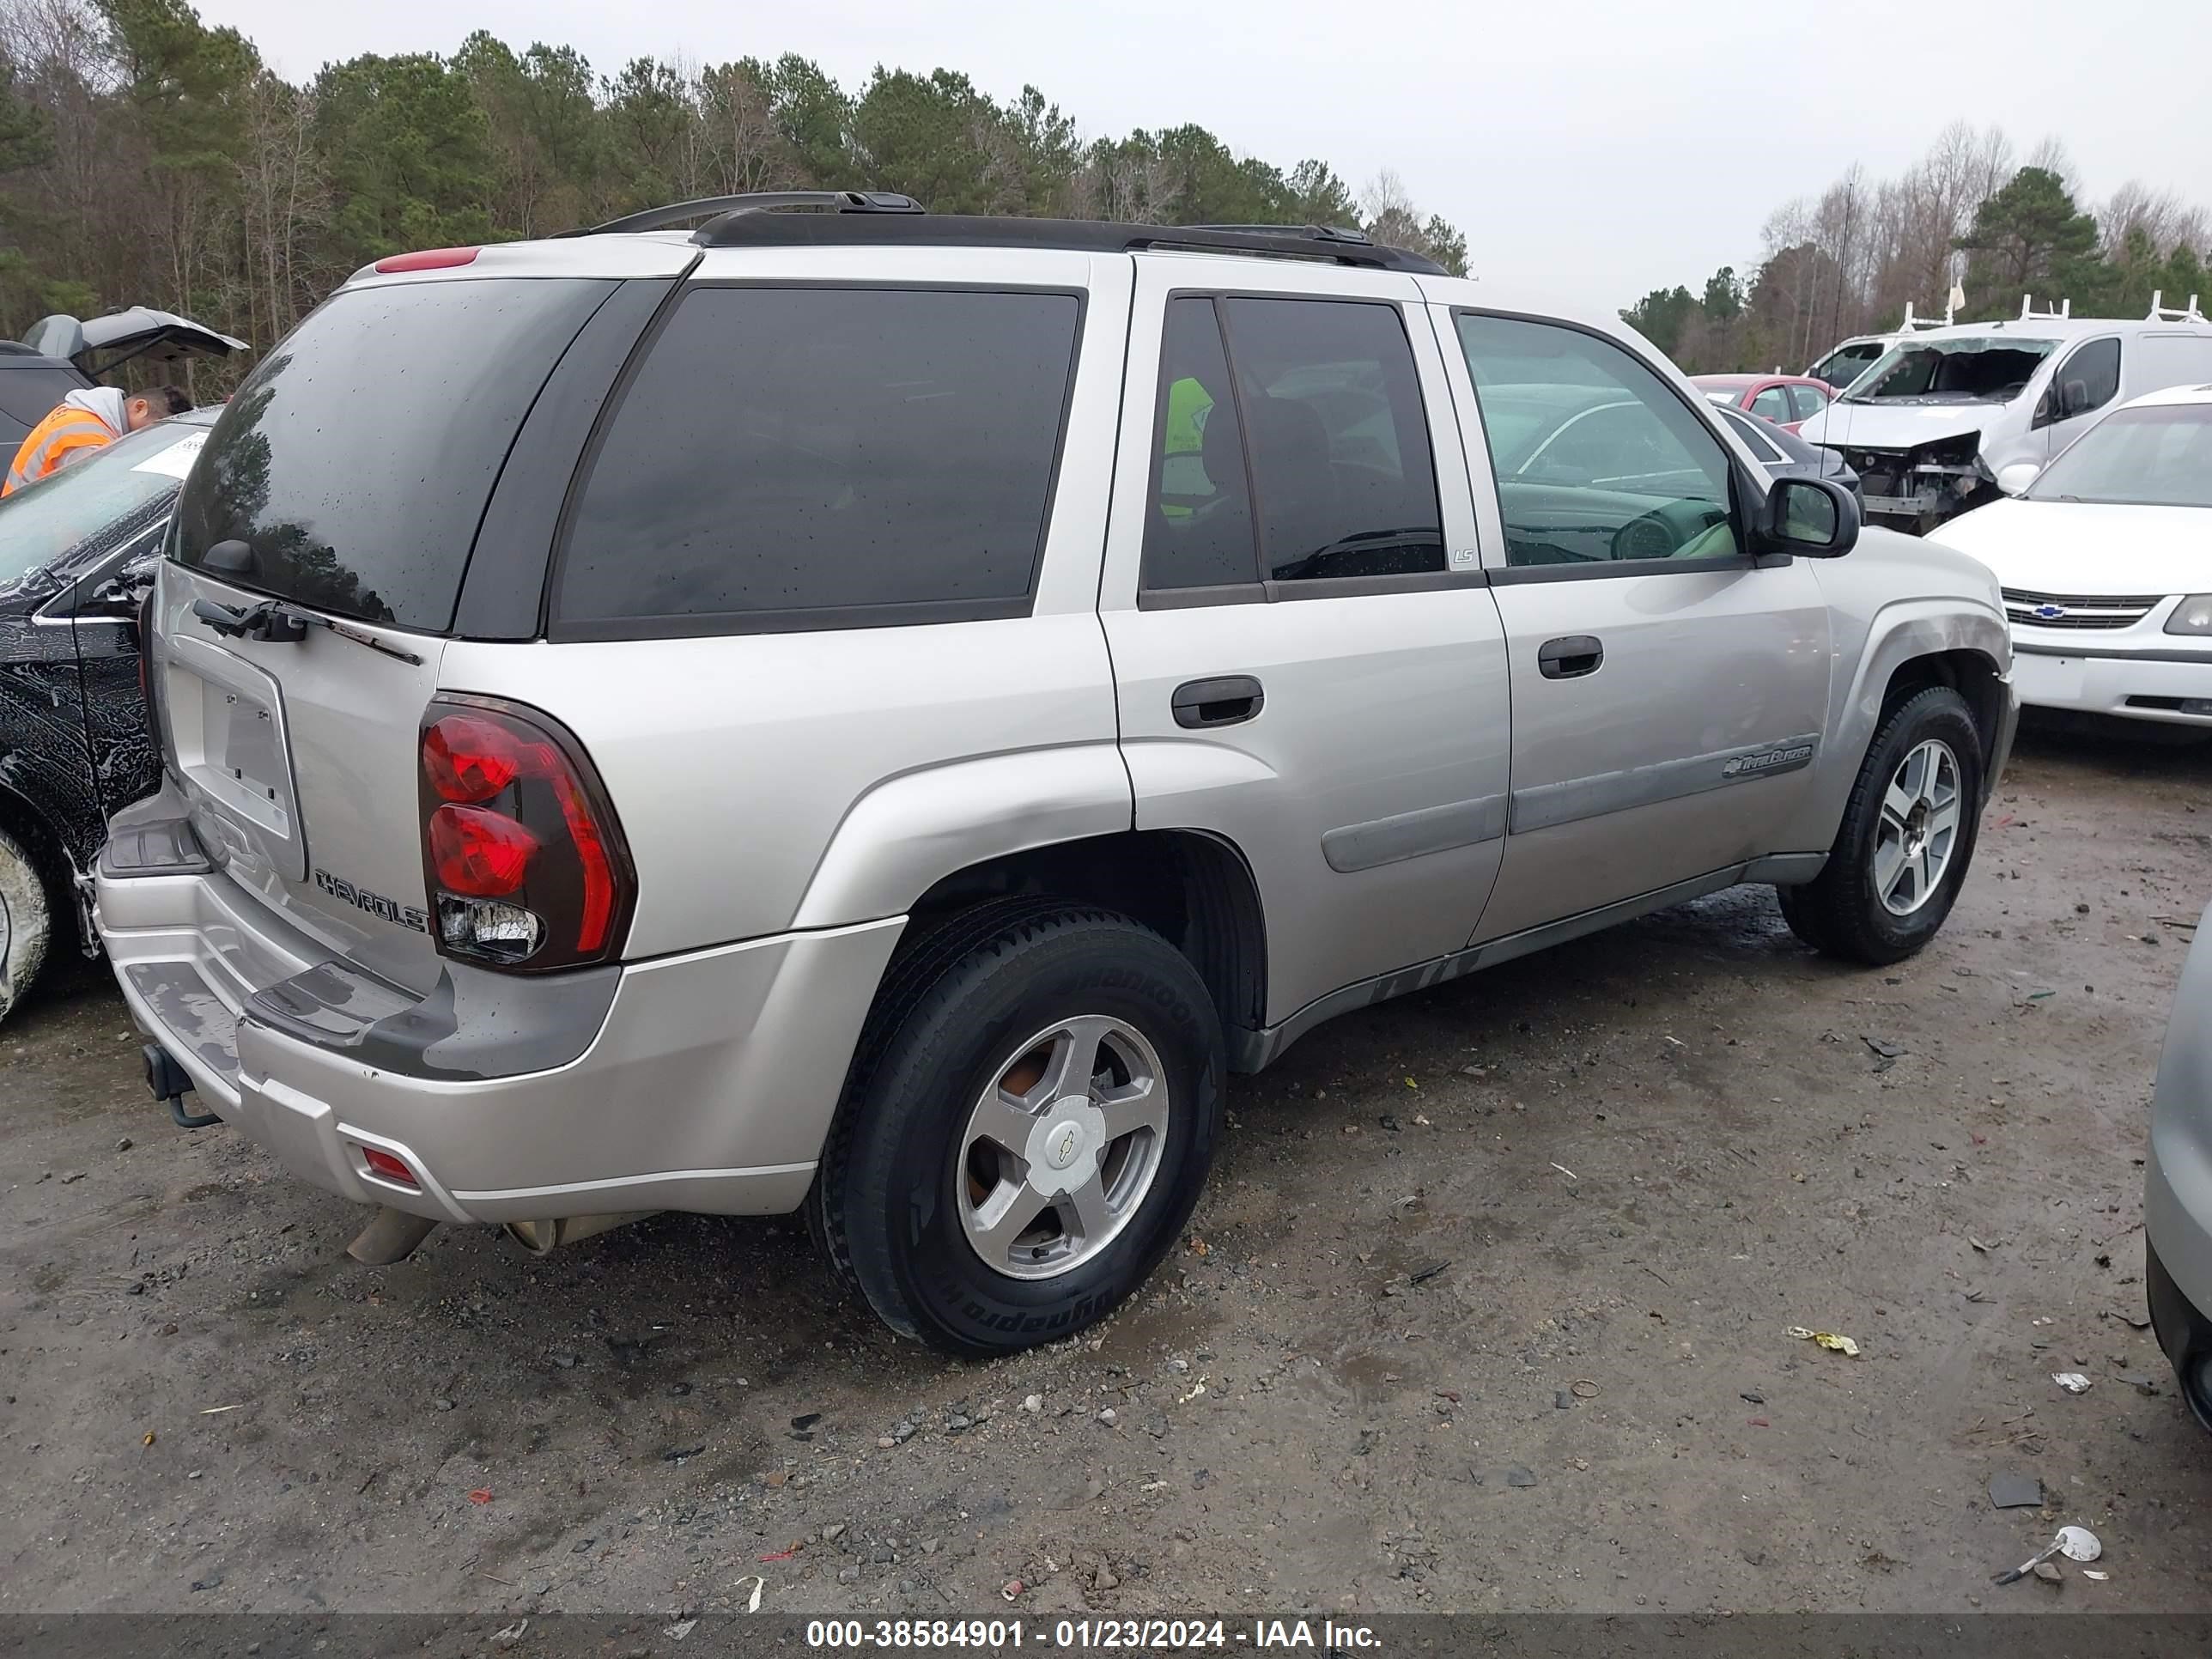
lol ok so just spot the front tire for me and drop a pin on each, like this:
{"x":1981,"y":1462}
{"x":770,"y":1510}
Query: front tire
{"x":1027,"y":1127}
{"x":1906,"y":841}
{"x":26,"y":922}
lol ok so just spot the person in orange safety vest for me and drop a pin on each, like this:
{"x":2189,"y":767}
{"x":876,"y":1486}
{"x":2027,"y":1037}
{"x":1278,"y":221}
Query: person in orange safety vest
{"x":84,"y":422}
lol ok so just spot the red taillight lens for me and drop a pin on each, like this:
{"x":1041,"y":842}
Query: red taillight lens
{"x":525,"y":860}
{"x":478,"y":854}
{"x":468,"y":758}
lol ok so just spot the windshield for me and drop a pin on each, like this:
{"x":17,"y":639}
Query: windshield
{"x":2161,"y":456}
{"x":41,"y":523}
{"x":1990,"y":370}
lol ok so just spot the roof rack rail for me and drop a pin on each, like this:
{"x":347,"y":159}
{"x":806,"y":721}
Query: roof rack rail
{"x":1319,"y":232}
{"x":2162,"y":312}
{"x":754,"y":229}
{"x":2028,"y":313}
{"x":1912,"y":322}
{"x":677,"y":214}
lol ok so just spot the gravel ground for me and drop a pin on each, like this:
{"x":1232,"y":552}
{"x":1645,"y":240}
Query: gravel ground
{"x":1486,"y":1308}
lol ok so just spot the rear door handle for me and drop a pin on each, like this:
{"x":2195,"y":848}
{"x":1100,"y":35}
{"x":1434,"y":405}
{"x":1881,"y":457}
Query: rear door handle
{"x":1217,"y":703}
{"x":1569,"y":658}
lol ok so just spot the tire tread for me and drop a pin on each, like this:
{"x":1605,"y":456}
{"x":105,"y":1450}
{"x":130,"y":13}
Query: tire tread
{"x":918,"y":975}
{"x":1826,"y":913}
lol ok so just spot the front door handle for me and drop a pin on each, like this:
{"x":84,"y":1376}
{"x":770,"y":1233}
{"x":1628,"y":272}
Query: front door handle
{"x":1223,"y":701}
{"x":1569,"y":658}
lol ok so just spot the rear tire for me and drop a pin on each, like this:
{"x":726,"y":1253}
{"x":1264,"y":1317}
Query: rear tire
{"x":1029,"y":1045}
{"x":26,"y":922}
{"x":1891,"y":876}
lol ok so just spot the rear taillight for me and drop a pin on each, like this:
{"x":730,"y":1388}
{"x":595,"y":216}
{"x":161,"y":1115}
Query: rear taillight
{"x":526,"y":864}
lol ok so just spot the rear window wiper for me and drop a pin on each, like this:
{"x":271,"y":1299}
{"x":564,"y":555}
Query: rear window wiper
{"x":275,"y":622}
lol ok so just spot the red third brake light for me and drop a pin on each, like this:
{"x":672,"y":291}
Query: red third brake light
{"x":427,"y":258}
{"x":525,"y":862}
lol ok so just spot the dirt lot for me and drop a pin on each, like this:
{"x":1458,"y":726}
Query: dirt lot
{"x":1486,"y":1309}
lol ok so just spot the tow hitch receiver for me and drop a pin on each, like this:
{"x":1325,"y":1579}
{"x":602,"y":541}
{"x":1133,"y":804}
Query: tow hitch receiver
{"x":171,"y":1083}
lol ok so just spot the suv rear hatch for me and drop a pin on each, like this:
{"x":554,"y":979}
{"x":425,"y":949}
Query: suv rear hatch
{"x":319,"y":556}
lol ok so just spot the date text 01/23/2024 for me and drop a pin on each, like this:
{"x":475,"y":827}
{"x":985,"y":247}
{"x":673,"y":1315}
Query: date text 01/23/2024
{"x":1101,"y":1634}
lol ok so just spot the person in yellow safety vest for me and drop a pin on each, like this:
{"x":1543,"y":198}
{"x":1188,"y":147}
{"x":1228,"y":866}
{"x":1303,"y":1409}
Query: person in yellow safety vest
{"x":1188,"y":402}
{"x":84,"y":422}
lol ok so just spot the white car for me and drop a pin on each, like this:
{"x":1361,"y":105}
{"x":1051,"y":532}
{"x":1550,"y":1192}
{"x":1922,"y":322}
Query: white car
{"x":2106,"y":559}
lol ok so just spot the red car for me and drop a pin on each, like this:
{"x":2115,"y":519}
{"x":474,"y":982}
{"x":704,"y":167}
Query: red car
{"x":1784,"y":400}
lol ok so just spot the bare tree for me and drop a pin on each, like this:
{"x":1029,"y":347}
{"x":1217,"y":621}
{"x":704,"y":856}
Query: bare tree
{"x":2163,"y":217}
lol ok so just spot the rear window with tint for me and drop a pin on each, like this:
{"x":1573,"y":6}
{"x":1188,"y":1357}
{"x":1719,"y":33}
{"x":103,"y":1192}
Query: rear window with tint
{"x":356,"y":460}
{"x":825,"y":457}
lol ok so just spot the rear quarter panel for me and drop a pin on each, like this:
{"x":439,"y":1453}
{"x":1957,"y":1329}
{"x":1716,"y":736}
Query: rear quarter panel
{"x":883,"y":758}
{"x":1892,"y":599}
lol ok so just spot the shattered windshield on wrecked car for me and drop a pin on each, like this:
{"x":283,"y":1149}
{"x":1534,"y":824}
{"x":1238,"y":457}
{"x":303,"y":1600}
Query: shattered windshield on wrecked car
{"x":1988,"y":370}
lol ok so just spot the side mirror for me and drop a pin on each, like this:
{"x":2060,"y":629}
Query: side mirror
{"x":1816,"y":517}
{"x":2013,"y":480}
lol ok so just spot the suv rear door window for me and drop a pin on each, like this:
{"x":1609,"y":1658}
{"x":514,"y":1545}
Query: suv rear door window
{"x":1339,"y":437}
{"x":825,"y":457}
{"x":356,"y":461}
{"x":1199,"y":534}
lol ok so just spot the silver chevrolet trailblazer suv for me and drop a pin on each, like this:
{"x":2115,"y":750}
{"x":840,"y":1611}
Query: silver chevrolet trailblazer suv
{"x":845,"y":708}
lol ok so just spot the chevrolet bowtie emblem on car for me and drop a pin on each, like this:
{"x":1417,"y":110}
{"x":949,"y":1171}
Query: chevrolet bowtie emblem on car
{"x":2047,"y":612}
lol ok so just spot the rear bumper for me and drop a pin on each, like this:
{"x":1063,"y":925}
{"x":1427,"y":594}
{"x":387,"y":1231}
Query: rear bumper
{"x":702,"y":1082}
{"x":2115,"y":683}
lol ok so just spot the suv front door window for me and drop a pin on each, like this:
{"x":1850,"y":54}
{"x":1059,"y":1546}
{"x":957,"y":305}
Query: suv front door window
{"x":1650,"y":659}
{"x":1595,"y":457}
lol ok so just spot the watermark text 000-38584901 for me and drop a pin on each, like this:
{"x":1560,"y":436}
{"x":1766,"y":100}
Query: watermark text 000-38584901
{"x":1091,"y":1634}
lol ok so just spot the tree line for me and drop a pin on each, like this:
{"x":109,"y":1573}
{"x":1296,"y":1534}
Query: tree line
{"x":148,"y":158}
{"x":1970,"y":212}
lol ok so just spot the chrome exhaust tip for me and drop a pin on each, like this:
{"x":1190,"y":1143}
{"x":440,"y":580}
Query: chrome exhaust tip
{"x":390,"y":1236}
{"x":542,"y":1237}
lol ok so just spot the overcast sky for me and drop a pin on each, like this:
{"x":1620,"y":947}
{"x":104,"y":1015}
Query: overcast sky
{"x":1596,"y":147}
